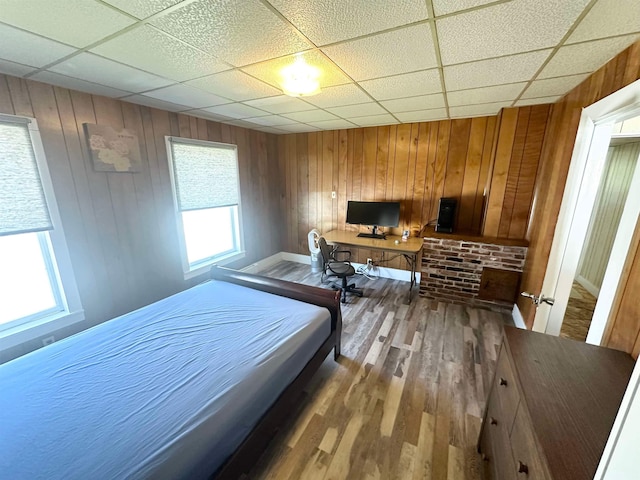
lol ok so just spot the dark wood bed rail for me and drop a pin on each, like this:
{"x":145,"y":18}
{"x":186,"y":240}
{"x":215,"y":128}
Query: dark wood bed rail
{"x":250,"y":450}
{"x":329,"y":299}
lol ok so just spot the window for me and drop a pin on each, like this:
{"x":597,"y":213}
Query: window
{"x":207,"y":199}
{"x":37,"y":285}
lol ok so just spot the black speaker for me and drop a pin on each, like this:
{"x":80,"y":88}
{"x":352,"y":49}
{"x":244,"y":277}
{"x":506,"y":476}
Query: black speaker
{"x":446,"y":215}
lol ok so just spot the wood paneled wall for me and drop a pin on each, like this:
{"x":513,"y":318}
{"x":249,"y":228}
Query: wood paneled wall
{"x":120,"y":227}
{"x":554,"y":166}
{"x":515,"y":167}
{"x":414,"y":164}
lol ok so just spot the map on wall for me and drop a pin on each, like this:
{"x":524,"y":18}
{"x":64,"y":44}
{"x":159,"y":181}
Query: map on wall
{"x":111,"y":150}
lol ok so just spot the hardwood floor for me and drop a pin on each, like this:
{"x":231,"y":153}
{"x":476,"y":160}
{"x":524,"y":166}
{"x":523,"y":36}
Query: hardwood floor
{"x":405,"y":399}
{"x":577,"y":318}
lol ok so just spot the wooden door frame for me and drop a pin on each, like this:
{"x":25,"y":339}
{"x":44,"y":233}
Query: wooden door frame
{"x":583,"y":179}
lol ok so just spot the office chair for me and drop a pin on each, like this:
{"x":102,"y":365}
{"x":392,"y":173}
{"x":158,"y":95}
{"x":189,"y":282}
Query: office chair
{"x":332,"y":267}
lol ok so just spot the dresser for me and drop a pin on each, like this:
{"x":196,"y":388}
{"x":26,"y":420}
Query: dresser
{"x":551,"y":407}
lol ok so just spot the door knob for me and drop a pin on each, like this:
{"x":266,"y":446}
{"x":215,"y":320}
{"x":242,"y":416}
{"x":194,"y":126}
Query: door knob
{"x":538,"y":300}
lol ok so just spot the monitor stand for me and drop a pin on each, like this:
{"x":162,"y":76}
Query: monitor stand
{"x":374,"y":234}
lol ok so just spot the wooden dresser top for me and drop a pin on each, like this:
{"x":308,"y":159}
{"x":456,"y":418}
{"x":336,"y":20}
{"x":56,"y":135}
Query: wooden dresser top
{"x":572,"y":391}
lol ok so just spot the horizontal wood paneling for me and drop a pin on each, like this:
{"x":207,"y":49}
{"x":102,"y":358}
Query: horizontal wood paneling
{"x":416,"y":164}
{"x":120,"y":227}
{"x":554,"y":166}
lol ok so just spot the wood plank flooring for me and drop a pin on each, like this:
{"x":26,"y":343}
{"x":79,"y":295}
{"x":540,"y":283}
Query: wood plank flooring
{"x":405,"y":399}
{"x":577,"y":318}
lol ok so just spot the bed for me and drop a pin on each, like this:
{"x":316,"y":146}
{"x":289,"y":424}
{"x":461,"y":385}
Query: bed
{"x":164,"y":391}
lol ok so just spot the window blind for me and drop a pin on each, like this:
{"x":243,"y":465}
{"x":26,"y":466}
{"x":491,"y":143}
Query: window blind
{"x":23,"y":207}
{"x":206,"y":176}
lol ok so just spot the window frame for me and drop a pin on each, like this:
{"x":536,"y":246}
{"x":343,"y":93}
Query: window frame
{"x":61,"y":271}
{"x":191,"y":271}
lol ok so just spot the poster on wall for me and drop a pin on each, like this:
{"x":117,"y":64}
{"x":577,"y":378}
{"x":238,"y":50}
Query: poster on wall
{"x":111,"y":150}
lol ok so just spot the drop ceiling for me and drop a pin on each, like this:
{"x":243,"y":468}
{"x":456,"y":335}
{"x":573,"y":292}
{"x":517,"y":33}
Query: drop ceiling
{"x":383,"y":62}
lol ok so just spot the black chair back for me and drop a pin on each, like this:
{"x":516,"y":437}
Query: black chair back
{"x":325,"y":250}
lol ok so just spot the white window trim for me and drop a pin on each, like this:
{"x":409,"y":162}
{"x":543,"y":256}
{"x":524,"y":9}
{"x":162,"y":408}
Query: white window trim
{"x":205,"y":267}
{"x":12,"y":335}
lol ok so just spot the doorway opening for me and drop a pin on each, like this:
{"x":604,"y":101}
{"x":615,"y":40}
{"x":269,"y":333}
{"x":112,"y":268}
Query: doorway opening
{"x":598,"y":123}
{"x":619,"y":166}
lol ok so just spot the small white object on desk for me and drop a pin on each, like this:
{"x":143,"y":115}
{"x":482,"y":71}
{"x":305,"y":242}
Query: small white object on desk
{"x":397,"y":242}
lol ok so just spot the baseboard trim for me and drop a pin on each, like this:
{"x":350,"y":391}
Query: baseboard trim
{"x":384,"y":272}
{"x":263,"y":264}
{"x":588,"y":286}
{"x":518,"y":319}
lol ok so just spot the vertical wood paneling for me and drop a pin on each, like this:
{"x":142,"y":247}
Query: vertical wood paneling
{"x":554,"y":166}
{"x":120,"y":227}
{"x":416,"y":164}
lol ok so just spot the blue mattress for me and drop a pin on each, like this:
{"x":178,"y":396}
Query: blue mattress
{"x":167,"y":391}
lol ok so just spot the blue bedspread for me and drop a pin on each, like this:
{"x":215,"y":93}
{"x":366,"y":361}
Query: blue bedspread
{"x":167,"y":391}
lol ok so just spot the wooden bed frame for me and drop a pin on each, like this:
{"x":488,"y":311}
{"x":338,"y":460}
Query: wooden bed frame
{"x":254,"y":445}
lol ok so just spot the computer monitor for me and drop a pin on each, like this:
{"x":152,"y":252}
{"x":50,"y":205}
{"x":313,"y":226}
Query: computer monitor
{"x":374,"y":214}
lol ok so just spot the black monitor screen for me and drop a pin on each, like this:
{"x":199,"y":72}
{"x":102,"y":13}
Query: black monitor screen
{"x":382,"y":214}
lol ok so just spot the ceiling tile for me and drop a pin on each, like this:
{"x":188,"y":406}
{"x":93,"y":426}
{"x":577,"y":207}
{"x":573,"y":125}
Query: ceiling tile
{"x":208,"y":115}
{"x":238,"y":31}
{"x":373,"y":120}
{"x":331,"y":124}
{"x":496,"y":93}
{"x":585,"y":57}
{"x":398,"y":86}
{"x":477,"y":110}
{"x":273,"y":130}
{"x":15,"y":69}
{"x":29,"y":49}
{"x":236,"y":110}
{"x":442,"y":7}
{"x":242,"y":123}
{"x":269,"y":71}
{"x":506,"y":28}
{"x":147,"y":48}
{"x":186,"y":95}
{"x":299,"y":128}
{"x":512,"y":69}
{"x":53,"y":20}
{"x":338,"y":96}
{"x":270,"y":120}
{"x":359,"y":110}
{"x":608,"y":18}
{"x":106,"y":72}
{"x":411,"y":104}
{"x":379,"y":55}
{"x":77,"y":84}
{"x":142,"y":8}
{"x":155,"y":103}
{"x":553,"y":86}
{"x":328,"y":21}
{"x":310,"y":116}
{"x":536,"y":101}
{"x":235,"y":85}
{"x":280,"y":104}
{"x":423,"y":115}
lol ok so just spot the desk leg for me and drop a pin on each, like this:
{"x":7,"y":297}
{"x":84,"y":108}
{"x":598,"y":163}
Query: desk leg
{"x":412,"y":260}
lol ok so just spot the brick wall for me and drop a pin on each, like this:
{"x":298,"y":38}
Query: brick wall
{"x":452,"y":269}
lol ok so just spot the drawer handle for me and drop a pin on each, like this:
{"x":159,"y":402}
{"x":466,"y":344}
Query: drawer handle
{"x":493,"y":421}
{"x":503,"y":382}
{"x":522,"y":468}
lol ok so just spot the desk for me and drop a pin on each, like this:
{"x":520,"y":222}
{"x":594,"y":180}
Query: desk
{"x":409,"y":249}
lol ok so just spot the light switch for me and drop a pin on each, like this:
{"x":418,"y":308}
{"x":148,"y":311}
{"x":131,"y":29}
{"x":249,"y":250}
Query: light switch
{"x":333,"y":195}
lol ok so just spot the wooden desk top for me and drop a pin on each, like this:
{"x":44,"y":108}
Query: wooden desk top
{"x":412,"y":246}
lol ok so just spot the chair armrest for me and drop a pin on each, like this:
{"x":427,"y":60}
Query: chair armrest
{"x":334,"y":263}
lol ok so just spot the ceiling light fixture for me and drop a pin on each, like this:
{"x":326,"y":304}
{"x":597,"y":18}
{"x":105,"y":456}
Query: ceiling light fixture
{"x":300,"y":79}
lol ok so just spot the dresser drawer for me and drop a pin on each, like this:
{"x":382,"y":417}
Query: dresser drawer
{"x":502,"y":458}
{"x":505,"y":388}
{"x":527,"y":461}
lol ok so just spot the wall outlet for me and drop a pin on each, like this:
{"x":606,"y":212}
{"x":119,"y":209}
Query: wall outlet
{"x":334,"y":195}
{"x":369,"y":262}
{"x":48,"y":340}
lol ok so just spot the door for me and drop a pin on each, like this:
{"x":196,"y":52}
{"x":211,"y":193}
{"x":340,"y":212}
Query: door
{"x":585,"y":172}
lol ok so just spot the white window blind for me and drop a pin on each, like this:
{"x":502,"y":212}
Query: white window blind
{"x":23,"y":207}
{"x":206,"y":176}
